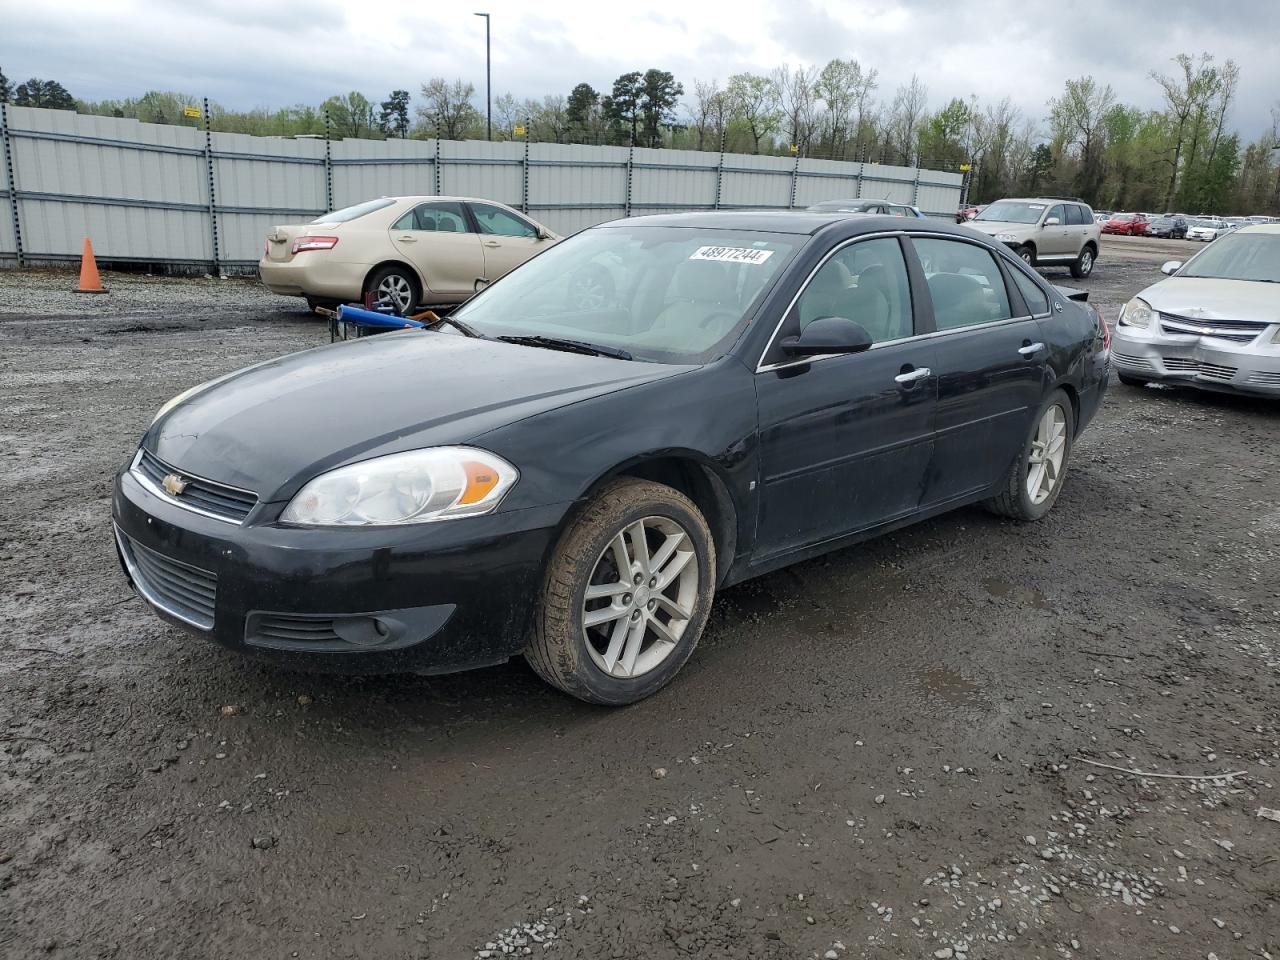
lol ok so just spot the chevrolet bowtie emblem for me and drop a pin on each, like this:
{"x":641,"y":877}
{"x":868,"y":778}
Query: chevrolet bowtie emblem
{"x":173,"y":484}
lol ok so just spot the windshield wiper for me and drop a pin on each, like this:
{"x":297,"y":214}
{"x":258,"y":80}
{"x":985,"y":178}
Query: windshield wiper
{"x":569,"y":346}
{"x":464,"y":328}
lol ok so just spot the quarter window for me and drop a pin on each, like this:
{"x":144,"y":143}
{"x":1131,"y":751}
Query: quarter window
{"x":865,"y":282}
{"x":1037,"y":301}
{"x":965,"y":283}
{"x":496,"y":221}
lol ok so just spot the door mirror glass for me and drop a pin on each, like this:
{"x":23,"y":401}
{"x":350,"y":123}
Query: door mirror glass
{"x":1171,"y":267}
{"x":828,"y":335}
{"x":1052,"y":222}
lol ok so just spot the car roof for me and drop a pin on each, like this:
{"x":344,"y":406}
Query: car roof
{"x":803,"y":222}
{"x":1261,"y":228}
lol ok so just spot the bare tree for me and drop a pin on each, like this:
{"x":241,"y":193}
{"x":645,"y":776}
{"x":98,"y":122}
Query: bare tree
{"x":702,"y":111}
{"x":797,"y":100}
{"x":909,"y":105}
{"x":447,"y":110}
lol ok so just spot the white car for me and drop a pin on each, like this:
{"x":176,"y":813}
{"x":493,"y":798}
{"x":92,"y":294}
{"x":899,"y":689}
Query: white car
{"x":1214,"y":324}
{"x":1208,"y":230}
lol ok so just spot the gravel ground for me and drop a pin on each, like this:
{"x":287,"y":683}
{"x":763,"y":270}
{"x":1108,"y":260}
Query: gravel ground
{"x":900,"y":750}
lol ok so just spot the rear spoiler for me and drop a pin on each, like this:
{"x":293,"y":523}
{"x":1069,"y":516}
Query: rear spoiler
{"x":1071,"y":293}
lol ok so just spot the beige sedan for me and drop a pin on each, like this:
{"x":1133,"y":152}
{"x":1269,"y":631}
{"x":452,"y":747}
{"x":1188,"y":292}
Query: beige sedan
{"x":406,"y":250}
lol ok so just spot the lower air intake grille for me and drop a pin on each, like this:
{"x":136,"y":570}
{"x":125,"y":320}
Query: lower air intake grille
{"x":177,"y":588}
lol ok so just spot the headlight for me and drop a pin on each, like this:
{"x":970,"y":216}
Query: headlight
{"x":1137,"y":313}
{"x":1006,"y":238}
{"x":439,"y":483}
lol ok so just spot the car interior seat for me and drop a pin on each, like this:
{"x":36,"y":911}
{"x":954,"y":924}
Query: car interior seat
{"x":701,"y":305}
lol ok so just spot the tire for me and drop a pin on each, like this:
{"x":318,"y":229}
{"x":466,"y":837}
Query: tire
{"x":398,"y":283}
{"x":1130,"y":380}
{"x":572,"y":656}
{"x":1015,"y":499}
{"x":1028,"y":254}
{"x":1084,"y":263}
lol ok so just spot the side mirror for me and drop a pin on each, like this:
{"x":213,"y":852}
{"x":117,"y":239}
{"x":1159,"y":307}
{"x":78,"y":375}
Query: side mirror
{"x":544,"y":233}
{"x":1052,"y":222}
{"x":481,"y":283}
{"x":1171,"y":267}
{"x":827,"y":335}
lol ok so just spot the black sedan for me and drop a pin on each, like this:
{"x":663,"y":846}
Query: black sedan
{"x":1170,"y":228}
{"x":572,"y":480}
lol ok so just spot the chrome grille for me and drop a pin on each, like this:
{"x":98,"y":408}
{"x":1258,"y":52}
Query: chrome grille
{"x":1125,"y":360}
{"x":1265,"y":379}
{"x":186,"y":592}
{"x":1181,"y":364}
{"x":203,"y":496}
{"x":1217,"y":371}
{"x":1235,"y":331}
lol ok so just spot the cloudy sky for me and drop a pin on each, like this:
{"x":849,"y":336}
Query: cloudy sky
{"x":246,"y":53}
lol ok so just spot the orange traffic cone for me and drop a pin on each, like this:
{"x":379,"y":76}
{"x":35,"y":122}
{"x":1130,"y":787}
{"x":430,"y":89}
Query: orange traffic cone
{"x":90,"y":282}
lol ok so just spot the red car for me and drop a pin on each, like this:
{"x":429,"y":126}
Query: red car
{"x":1129,"y":224}
{"x":965,"y":214}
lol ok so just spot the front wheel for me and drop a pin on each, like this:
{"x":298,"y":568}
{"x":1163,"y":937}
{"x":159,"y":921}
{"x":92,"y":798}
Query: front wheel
{"x":1083,"y":265}
{"x":1034,"y":481}
{"x":626,"y":594}
{"x":1027,"y":253}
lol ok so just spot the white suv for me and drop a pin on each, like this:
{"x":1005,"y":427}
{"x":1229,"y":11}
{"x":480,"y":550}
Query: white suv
{"x":1045,"y":231}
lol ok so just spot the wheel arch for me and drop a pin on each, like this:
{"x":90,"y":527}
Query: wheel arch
{"x":697,"y":478}
{"x":423,"y":289}
{"x":1067,"y":387}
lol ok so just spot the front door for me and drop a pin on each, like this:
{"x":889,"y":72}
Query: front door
{"x":436,"y":237}
{"x":845,"y":441}
{"x":992,"y":366}
{"x":1055,"y":239}
{"x":507,"y":240}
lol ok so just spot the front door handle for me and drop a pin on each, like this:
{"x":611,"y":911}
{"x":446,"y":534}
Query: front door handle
{"x":1031,"y":349}
{"x":911,"y":376}
{"x":407,"y":238}
{"x":492,"y":243}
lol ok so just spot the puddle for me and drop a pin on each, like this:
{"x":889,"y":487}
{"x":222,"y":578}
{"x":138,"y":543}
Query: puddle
{"x":1011,"y":591}
{"x":949,"y":686}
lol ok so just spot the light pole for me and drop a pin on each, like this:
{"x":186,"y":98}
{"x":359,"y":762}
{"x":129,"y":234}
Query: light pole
{"x":488,"y":80}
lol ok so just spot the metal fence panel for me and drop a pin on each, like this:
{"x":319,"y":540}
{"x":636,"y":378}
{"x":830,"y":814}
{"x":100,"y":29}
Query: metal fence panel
{"x":141,"y":191}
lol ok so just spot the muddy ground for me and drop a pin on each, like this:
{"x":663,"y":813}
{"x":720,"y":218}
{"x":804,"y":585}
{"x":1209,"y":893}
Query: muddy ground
{"x":894,"y":751}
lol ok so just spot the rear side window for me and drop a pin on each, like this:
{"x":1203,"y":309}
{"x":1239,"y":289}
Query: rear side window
{"x":1036,"y":299}
{"x":965,"y":283}
{"x":1076,"y":215}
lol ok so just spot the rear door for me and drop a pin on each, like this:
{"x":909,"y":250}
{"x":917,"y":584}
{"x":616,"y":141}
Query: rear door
{"x":845,"y":440}
{"x":991,"y":362}
{"x":508,"y":240}
{"x":436,"y":237}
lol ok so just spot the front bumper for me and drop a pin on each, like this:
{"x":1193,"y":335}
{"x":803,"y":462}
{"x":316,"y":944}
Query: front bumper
{"x":425,"y":598}
{"x":1203,"y":362}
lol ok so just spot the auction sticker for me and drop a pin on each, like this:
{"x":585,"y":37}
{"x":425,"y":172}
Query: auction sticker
{"x":732,"y":254}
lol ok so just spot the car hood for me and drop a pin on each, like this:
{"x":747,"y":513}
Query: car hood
{"x":992,"y":227}
{"x":272,"y":427}
{"x":1197,"y":297}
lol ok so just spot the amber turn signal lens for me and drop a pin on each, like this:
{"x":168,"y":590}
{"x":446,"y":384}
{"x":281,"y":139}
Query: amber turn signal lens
{"x":481,"y":479}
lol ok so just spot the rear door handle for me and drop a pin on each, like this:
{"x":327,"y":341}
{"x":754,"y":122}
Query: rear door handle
{"x":911,"y":376}
{"x":1031,"y":349}
{"x":407,"y":238}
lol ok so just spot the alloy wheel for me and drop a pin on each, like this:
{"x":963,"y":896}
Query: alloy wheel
{"x":397,"y":290}
{"x":1048,"y":450}
{"x":640,"y":597}
{"x":1086,"y":262}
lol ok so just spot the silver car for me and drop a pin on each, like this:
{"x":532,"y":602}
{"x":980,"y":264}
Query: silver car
{"x":1214,"y":324}
{"x":1044,"y":231}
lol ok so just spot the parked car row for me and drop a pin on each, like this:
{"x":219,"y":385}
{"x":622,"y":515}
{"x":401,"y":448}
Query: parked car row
{"x":573,"y":481}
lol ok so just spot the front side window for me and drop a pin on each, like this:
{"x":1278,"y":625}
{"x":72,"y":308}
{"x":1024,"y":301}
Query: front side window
{"x":665,"y":294}
{"x":496,"y":221}
{"x":965,"y":283}
{"x":867,"y":283}
{"x":1058,"y":211}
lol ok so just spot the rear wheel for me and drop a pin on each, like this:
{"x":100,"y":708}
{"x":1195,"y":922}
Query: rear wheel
{"x":1084,"y":264}
{"x":626,"y":595}
{"x":1034,"y":481}
{"x":396,"y":285}
{"x":1028,"y":254}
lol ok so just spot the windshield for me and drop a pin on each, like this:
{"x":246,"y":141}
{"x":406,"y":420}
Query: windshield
{"x":359,"y":210}
{"x":665,"y":294}
{"x":1239,"y":256}
{"x":1012,"y":211}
